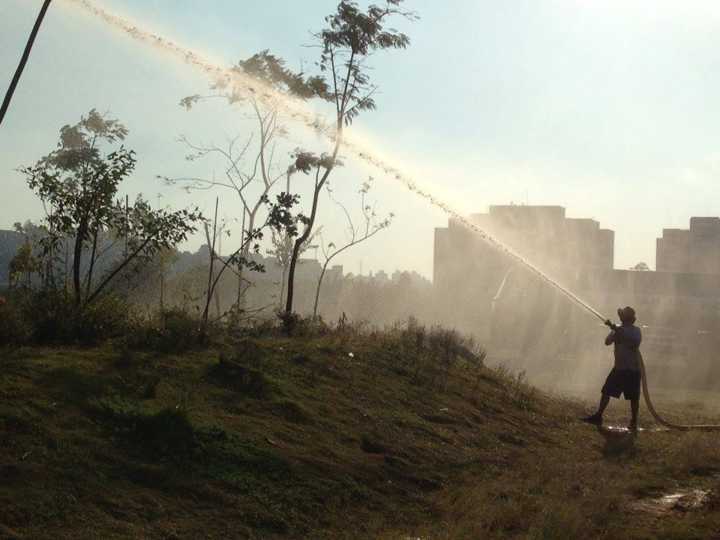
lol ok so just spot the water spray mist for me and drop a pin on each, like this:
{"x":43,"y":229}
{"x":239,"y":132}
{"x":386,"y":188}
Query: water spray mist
{"x":298,"y":111}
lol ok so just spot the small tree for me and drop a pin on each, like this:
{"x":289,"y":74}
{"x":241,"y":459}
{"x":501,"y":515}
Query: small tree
{"x":23,"y":265}
{"x":349,"y":38}
{"x":78,"y":185}
{"x":251,"y":170}
{"x":369,"y":227}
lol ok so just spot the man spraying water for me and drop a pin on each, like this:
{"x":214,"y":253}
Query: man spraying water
{"x":625,"y":375}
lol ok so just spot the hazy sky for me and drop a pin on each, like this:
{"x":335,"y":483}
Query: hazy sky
{"x":606,"y":107}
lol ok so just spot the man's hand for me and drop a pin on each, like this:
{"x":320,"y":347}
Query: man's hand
{"x":610,"y":324}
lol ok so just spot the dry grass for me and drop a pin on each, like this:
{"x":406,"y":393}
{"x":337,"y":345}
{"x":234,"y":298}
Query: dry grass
{"x":297,"y":438}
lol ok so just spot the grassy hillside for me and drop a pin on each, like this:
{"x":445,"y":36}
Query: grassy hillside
{"x":335,"y":436}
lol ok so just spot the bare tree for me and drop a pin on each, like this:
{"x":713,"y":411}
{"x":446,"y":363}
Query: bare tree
{"x":253,"y":180}
{"x":368,"y":227}
{"x":278,"y":217}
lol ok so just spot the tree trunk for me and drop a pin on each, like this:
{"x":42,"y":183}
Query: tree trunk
{"x":282,"y":284}
{"x":238,"y":304}
{"x":317,"y":290}
{"x":88,"y":285}
{"x":311,"y":221}
{"x":77,"y":259}
{"x":211,"y":273}
{"x":23,"y":60}
{"x":244,"y":254}
{"x":117,"y":270}
{"x":162,"y":290}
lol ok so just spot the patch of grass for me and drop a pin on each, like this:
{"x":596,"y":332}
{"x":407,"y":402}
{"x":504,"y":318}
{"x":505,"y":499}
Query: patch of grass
{"x":230,"y":373}
{"x":167,"y":432}
{"x":278,"y":437}
{"x":293,"y":412}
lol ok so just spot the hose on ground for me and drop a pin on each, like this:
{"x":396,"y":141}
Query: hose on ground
{"x":659,"y":419}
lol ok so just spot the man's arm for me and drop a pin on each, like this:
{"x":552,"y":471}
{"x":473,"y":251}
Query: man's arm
{"x":610,"y":339}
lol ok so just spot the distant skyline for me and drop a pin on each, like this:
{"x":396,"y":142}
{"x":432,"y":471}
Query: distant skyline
{"x":606,"y":108}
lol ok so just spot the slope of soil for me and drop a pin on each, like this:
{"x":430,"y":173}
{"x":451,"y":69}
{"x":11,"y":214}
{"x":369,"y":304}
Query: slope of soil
{"x":324,"y":437}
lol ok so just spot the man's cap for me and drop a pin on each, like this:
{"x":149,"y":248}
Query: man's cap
{"x":626,"y":314}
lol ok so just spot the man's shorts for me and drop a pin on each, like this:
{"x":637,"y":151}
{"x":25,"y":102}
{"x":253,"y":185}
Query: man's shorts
{"x":622,"y":381}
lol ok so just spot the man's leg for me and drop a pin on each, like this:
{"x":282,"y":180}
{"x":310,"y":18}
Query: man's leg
{"x":634,"y":408}
{"x":604,"y":400}
{"x":596,"y":418}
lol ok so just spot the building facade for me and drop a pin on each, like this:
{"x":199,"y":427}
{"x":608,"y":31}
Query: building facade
{"x":483,"y":291}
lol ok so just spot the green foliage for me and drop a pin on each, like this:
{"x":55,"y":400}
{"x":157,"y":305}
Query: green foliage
{"x":293,"y":412}
{"x":349,"y":37}
{"x":171,"y":331}
{"x":167,"y":432}
{"x":15,"y":328}
{"x":23,"y":265}
{"x":431,"y":355}
{"x":48,"y":316}
{"x":104,"y":319}
{"x":233,"y":371}
{"x":78,"y":185}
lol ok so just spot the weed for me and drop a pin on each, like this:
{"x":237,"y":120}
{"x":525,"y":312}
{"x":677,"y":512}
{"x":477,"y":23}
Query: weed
{"x":695,"y":454}
{"x":230,"y":373}
{"x":293,"y":412}
{"x":15,"y":328}
{"x":165,"y":432}
{"x":520,"y":392}
{"x":172,"y":331}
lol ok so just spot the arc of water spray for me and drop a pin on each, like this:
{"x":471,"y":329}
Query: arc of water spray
{"x":298,"y":111}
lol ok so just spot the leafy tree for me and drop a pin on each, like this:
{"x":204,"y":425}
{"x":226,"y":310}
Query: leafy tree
{"x":78,"y":185}
{"x":282,"y":249}
{"x":349,"y":38}
{"x":282,"y":242}
{"x":23,"y":264}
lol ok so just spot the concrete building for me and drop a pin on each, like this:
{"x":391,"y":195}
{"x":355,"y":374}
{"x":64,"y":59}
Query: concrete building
{"x":468,"y":272}
{"x":694,"y":250}
{"x":481,"y":290}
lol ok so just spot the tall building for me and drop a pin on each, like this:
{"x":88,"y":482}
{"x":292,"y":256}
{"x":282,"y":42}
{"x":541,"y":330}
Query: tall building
{"x":468,"y":272}
{"x":695,"y":250}
{"x":483,"y":291}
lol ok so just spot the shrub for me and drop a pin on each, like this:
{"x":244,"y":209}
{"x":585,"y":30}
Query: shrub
{"x":53,"y":316}
{"x":172,"y":331}
{"x":15,"y":328}
{"x":296,"y":325}
{"x":520,"y":392}
{"x":107,"y":317}
{"x":165,"y":432}
{"x":231,"y":373}
{"x":293,"y":412}
{"x":50,"y":316}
